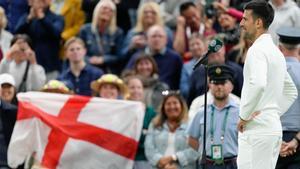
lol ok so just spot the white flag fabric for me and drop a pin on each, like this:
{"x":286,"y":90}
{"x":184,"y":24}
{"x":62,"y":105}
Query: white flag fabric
{"x":76,"y":132}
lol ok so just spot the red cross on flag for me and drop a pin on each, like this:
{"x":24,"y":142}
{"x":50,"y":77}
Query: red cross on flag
{"x":76,"y":132}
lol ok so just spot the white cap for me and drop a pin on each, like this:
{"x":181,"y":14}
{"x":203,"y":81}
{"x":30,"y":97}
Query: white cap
{"x":6,"y":78}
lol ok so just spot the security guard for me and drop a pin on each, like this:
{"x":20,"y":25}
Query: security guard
{"x":222,"y":117}
{"x":289,"y":41}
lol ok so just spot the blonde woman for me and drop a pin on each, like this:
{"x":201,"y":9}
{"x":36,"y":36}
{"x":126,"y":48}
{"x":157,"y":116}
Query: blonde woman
{"x":149,"y":14}
{"x":103,"y":38}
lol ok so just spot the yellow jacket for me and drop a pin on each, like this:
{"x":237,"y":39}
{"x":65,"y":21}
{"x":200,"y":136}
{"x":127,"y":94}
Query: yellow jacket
{"x":74,"y":18}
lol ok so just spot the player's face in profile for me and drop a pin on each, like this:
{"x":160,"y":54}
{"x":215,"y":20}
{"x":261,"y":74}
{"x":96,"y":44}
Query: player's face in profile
{"x":247,"y":25}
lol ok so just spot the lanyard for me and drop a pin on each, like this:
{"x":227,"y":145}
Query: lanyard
{"x":212,"y":124}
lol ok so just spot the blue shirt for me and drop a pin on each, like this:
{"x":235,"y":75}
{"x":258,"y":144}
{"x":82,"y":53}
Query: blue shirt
{"x":290,"y":120}
{"x":157,"y":142}
{"x":132,"y":32}
{"x":107,"y":44}
{"x":82,"y":83}
{"x":230,"y":145}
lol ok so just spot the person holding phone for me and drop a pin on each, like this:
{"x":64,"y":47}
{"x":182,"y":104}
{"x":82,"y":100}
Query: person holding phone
{"x":20,"y":61}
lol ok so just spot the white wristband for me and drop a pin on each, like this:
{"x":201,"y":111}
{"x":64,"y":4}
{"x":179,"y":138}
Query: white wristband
{"x":174,"y":157}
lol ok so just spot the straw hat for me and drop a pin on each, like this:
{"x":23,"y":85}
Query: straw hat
{"x":55,"y":86}
{"x":111,"y":79}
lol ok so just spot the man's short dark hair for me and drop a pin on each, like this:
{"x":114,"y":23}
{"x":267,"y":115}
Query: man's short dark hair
{"x":261,"y":9}
{"x":184,"y":6}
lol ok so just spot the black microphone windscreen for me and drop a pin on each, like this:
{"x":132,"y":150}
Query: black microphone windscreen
{"x":215,"y":45}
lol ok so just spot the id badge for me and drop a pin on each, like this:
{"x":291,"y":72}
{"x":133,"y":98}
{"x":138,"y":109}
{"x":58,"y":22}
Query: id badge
{"x":216,"y":152}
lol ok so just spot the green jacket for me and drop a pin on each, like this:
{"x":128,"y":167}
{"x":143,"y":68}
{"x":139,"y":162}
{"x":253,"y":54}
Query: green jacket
{"x":149,"y":115}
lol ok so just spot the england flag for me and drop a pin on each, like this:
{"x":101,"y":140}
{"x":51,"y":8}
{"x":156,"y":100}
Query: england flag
{"x":75,"y":132}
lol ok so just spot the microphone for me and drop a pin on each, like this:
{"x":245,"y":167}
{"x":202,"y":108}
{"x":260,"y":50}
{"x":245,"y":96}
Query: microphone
{"x":214,"y":46}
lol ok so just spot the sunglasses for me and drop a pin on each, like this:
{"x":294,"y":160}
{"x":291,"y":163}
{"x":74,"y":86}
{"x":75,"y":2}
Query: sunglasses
{"x":170,"y":92}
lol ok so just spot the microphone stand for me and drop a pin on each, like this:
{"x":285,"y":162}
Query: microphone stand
{"x":203,"y":159}
{"x":214,"y":46}
{"x":204,"y":62}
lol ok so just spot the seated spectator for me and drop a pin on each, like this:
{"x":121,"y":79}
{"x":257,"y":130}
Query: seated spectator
{"x":228,"y":20}
{"x":148,"y":15}
{"x":55,"y":86}
{"x":21,"y":63}
{"x":197,"y":77}
{"x":168,"y":61}
{"x":136,"y":93}
{"x":169,"y":10}
{"x":231,"y":10}
{"x":229,"y":30}
{"x":103,"y":38}
{"x":5,"y":36}
{"x":44,"y":28}
{"x":166,"y":141}
{"x":79,"y":73}
{"x":146,"y":69}
{"x":190,"y":21}
{"x":8,"y":89}
{"x":8,"y":118}
{"x":197,"y":45}
{"x":109,"y":86}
